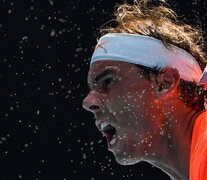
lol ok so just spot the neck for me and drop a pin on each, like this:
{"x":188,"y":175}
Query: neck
{"x":181,"y":140}
{"x":171,"y":172}
{"x":174,"y":158}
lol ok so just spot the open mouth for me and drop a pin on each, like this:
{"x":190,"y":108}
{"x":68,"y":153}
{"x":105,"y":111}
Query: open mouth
{"x":109,"y":132}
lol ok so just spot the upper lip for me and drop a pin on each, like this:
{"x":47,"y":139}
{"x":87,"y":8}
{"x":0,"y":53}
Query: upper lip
{"x":98,"y":123}
{"x":102,"y":118}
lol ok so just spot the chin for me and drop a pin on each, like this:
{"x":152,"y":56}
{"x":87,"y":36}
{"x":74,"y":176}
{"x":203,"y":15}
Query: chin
{"x":125,"y":160}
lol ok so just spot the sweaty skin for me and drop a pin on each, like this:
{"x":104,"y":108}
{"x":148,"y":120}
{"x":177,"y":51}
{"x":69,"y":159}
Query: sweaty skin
{"x":151,"y":122}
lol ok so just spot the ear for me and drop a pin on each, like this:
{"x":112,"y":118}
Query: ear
{"x":167,"y":82}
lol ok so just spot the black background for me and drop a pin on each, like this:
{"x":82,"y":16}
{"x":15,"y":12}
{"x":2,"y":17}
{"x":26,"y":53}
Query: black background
{"x":45,"y":47}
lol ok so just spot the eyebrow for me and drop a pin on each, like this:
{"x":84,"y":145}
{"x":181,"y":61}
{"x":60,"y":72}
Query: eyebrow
{"x":101,"y":75}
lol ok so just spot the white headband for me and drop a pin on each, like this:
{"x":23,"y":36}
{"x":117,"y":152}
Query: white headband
{"x":148,"y":52}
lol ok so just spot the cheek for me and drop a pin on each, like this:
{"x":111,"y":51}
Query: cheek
{"x":134,"y":105}
{"x":123,"y":109}
{"x":118,"y":105}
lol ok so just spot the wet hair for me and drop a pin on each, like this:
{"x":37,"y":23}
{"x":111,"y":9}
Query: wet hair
{"x":156,"y":19}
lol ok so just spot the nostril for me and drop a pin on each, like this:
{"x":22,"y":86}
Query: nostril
{"x":94,"y":107}
{"x":92,"y":101}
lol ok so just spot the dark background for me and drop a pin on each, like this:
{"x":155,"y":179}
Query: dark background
{"x":45,"y":47}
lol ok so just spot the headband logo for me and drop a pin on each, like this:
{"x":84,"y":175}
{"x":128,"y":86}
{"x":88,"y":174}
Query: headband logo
{"x":100,"y":45}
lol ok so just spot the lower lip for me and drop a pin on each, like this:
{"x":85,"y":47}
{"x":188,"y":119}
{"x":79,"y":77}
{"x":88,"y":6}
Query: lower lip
{"x":113,"y":146}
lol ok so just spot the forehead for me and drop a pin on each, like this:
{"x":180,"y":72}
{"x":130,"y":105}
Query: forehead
{"x":118,"y":67}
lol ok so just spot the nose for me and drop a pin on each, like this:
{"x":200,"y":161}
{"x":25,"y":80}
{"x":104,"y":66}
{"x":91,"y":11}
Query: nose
{"x":92,"y":102}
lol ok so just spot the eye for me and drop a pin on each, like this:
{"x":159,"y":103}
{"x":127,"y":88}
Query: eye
{"x":108,"y":81}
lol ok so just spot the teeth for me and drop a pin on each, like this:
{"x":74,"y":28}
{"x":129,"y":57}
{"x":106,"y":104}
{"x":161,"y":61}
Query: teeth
{"x":104,"y":125}
{"x":113,"y":141}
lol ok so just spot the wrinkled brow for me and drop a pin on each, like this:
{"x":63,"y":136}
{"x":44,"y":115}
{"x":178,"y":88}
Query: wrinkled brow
{"x":99,"y":76}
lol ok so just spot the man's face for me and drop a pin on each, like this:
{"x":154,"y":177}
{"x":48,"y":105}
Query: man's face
{"x":124,"y":105}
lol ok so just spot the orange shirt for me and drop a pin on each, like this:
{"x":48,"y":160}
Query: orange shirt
{"x":198,"y":154}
